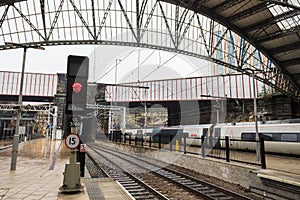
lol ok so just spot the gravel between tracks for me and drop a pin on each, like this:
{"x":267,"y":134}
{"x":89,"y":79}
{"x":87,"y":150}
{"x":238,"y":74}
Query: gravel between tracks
{"x":168,"y":188}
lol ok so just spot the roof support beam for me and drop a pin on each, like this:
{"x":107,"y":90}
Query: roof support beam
{"x":103,"y":21}
{"x":285,"y":48}
{"x":271,"y":20}
{"x":128,"y":20}
{"x":4,"y":15}
{"x":283,"y":3}
{"x":225,"y":5}
{"x":94,"y":19}
{"x":29,"y":22}
{"x":42,"y":2}
{"x":296,"y":76}
{"x":291,"y":62}
{"x":57,"y":13}
{"x":277,"y":35}
{"x":241,"y":15}
{"x":82,"y":19}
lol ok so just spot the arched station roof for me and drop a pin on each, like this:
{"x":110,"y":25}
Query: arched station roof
{"x":242,"y":35}
{"x":272,"y":26}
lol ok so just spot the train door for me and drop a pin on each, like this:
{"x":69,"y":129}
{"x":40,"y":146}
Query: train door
{"x":205,"y":132}
{"x":216,"y":138}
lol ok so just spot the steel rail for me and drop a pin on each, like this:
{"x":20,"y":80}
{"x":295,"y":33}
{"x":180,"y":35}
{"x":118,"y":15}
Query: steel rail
{"x":199,"y":187}
{"x":129,"y":181}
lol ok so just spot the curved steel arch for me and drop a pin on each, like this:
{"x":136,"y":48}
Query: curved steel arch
{"x":169,"y":25}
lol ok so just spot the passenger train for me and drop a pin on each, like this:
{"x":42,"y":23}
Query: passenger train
{"x":281,"y":137}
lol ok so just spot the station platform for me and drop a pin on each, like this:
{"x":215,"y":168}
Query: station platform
{"x":39,"y":174}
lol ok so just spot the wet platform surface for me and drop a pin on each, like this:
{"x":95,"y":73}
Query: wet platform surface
{"x":41,"y":164}
{"x":39,"y":174}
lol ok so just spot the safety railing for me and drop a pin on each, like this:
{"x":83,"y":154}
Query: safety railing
{"x":219,"y":148}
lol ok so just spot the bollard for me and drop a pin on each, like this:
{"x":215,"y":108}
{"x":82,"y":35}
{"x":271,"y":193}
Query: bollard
{"x":262,"y":153}
{"x":177,"y":146}
{"x":184,"y":147}
{"x":129,"y":139}
{"x":203,"y":142}
{"x":227,"y":149}
{"x":71,"y":181}
{"x":170,"y":139}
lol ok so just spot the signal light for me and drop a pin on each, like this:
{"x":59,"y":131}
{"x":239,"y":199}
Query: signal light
{"x":77,"y":76}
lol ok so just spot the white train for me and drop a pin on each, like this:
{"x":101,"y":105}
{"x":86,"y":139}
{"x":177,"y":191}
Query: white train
{"x":280,"y":136}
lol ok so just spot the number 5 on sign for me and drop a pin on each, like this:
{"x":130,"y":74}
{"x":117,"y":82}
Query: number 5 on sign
{"x":72,"y":141}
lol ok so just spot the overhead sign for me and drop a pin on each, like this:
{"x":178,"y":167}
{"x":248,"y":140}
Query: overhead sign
{"x":72,"y":141}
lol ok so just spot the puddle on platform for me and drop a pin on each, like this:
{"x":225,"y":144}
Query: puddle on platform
{"x":41,"y":149}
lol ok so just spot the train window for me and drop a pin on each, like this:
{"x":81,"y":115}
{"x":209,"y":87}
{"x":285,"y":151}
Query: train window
{"x":205,"y":131}
{"x":276,"y":137}
{"x":248,"y":136}
{"x":267,"y":137}
{"x":289,"y":137}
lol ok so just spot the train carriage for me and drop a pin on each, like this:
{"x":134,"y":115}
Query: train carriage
{"x":194,"y":133}
{"x":279,"y":138}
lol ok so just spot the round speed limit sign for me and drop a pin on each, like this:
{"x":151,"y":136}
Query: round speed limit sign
{"x":72,"y":141}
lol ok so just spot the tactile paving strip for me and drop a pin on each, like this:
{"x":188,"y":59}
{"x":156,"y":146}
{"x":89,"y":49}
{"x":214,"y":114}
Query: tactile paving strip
{"x":94,"y":191}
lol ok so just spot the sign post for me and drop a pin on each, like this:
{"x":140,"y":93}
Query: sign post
{"x":75,"y":108}
{"x":72,"y":171}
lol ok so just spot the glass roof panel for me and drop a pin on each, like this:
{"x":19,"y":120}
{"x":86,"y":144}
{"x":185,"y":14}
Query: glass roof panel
{"x":289,"y":21}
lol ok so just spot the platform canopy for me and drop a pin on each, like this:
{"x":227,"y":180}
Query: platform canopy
{"x":271,"y":27}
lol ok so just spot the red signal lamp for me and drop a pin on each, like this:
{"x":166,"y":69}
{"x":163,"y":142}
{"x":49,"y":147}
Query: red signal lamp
{"x":77,"y":87}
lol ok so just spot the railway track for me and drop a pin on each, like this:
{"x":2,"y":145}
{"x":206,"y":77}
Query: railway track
{"x":197,"y":187}
{"x":135,"y":186}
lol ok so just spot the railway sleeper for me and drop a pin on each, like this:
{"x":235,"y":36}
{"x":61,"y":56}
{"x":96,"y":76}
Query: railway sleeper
{"x":226,"y":198}
{"x":125,"y":184}
{"x":186,"y":183}
{"x":209,"y":192}
{"x":138,"y":194}
{"x":123,"y":177}
{"x":199,"y":186}
{"x":125,"y":180}
{"x":218,"y":195}
{"x":115,"y":177}
{"x":132,"y":187}
{"x":189,"y":184}
{"x":144,"y":197}
{"x":181,"y":178}
{"x":203,"y":188}
{"x":137,"y":190}
{"x":175,"y":177}
{"x":164,"y":172}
